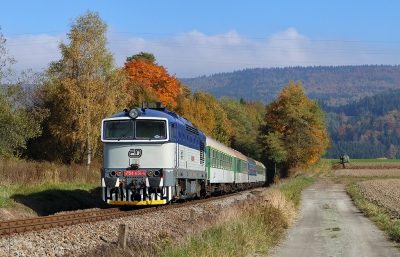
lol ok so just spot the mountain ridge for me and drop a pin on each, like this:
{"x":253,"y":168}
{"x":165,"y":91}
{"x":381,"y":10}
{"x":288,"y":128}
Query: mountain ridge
{"x":335,"y":85}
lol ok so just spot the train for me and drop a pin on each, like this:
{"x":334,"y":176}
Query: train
{"x":152,"y":156}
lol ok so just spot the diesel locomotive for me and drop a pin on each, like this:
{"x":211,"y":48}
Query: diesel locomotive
{"x":153,"y":156}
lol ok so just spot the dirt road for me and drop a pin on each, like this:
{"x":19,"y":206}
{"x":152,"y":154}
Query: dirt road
{"x":330,"y":225}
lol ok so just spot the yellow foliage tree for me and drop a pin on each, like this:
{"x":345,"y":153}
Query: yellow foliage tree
{"x":81,"y":89}
{"x":205,"y":112}
{"x":294,"y":133}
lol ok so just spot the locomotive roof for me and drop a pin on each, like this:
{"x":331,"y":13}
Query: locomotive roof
{"x":218,"y":145}
{"x":154,"y":112}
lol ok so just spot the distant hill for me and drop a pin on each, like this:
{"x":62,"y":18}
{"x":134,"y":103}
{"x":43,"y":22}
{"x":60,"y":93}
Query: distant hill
{"x":334,"y":85}
{"x":368,"y":128}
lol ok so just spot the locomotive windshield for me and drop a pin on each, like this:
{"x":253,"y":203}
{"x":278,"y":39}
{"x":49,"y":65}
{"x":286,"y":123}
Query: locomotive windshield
{"x":134,"y":129}
{"x":119,"y":129}
{"x":150,"y":129}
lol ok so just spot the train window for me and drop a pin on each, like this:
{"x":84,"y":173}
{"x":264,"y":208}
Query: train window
{"x":172,"y":131}
{"x":150,"y":129}
{"x":118,"y":129}
{"x":212,"y":153}
{"x":225,"y":166}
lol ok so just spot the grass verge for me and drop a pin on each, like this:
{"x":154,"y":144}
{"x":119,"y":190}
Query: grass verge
{"x":249,"y":227}
{"x":379,"y":215}
{"x":43,"y":188}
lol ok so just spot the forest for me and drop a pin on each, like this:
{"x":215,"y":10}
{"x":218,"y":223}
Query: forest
{"x":55,"y":116}
{"x":361,"y":103}
{"x":367,"y":128}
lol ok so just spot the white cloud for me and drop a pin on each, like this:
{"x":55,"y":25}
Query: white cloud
{"x":195,"y":54}
{"x":34,"y":51}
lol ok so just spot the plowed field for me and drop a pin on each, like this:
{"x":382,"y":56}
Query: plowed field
{"x":368,"y":165}
{"x":366,"y":169}
{"x":384,"y":193}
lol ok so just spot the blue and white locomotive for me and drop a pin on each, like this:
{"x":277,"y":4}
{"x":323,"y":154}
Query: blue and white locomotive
{"x":153,"y":156}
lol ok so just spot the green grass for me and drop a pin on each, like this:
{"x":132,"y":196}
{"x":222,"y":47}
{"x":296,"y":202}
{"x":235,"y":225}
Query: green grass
{"x":48,"y":199}
{"x":249,"y":232}
{"x":293,"y":188}
{"x":45,"y":188}
{"x":5,"y":193}
{"x":323,"y":166}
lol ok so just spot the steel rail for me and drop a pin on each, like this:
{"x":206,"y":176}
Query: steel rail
{"x":24,"y":225}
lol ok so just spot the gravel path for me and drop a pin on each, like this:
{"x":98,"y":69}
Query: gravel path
{"x":330,"y":225}
{"x":80,"y":239}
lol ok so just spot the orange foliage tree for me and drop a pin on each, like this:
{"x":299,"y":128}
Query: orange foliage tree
{"x":294,"y":133}
{"x":148,"y":81}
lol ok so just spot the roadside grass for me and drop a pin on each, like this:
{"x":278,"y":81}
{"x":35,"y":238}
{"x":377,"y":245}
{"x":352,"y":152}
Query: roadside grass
{"x":247,"y":228}
{"x":293,"y":187}
{"x":237,"y":233}
{"x":323,"y":166}
{"x":379,"y":215}
{"x":45,"y":188}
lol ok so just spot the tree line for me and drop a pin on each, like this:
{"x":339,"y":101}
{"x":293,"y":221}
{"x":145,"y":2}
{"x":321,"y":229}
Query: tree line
{"x":368,"y":128}
{"x":56,"y":115}
{"x":336,"y":85}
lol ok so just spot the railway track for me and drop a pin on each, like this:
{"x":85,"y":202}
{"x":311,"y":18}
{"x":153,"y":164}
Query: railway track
{"x":32,"y":224}
{"x":24,"y":225}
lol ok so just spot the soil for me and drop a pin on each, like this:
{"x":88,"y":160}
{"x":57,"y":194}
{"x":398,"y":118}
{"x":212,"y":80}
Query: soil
{"x":19,"y":212}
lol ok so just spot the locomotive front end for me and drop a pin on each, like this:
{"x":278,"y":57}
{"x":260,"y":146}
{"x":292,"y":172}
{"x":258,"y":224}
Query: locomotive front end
{"x":138,"y":158}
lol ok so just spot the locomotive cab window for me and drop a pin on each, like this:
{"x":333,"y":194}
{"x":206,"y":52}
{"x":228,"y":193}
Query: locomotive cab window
{"x":172,"y":131}
{"x":135,"y":129}
{"x":121,"y":129}
{"x":150,"y":129}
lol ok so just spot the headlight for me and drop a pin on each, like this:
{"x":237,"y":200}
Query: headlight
{"x":150,"y":173}
{"x":133,"y":113}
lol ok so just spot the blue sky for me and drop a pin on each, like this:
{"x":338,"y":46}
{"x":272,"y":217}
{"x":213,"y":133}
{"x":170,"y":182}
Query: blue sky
{"x":195,"y":38}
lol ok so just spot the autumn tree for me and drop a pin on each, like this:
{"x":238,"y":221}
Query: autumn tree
{"x":81,"y":89}
{"x":149,"y":82}
{"x":20,"y":120}
{"x":245,"y":120}
{"x":294,"y":133}
{"x":205,"y":112}
{"x":6,"y":61}
{"x":142,"y":56}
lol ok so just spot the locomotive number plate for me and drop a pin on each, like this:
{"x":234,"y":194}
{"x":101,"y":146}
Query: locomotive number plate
{"x":134,"y":173}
